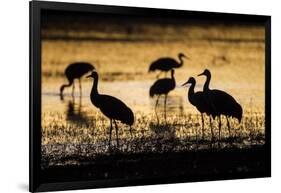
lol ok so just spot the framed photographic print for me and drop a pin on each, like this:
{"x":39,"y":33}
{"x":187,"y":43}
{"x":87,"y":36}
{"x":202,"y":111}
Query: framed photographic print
{"x":123,"y":96}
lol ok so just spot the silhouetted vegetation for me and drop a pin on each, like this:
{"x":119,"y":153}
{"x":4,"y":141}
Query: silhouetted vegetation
{"x":183,"y":133}
{"x":208,"y":134}
{"x":181,"y":166}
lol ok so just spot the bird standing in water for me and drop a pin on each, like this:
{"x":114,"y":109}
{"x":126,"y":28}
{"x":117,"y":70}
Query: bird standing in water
{"x":221,"y":103}
{"x":163,"y":87}
{"x":166,"y":64}
{"x":111,"y":107}
{"x":198,"y":100}
{"x":75,"y":71}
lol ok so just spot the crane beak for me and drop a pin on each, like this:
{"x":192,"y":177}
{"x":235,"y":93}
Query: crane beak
{"x":184,"y":84}
{"x":201,"y":74}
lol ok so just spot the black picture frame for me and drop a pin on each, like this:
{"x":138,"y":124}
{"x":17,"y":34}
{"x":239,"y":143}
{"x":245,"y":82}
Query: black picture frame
{"x":35,"y":183}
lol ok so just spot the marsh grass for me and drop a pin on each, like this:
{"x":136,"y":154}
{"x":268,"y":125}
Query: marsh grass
{"x":234,"y":54}
{"x":62,"y":142}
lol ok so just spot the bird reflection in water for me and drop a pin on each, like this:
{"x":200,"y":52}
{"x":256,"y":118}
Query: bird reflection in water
{"x":75,"y":114}
{"x":174,"y":105}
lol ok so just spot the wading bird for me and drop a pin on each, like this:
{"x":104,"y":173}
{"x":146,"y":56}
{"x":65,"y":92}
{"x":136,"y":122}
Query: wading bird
{"x":111,"y":107}
{"x":75,"y":71}
{"x":163,"y":87}
{"x":166,"y":64}
{"x":221,"y":103}
{"x":198,"y":100}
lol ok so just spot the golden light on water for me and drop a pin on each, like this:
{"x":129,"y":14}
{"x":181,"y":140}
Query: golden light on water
{"x":234,"y":55}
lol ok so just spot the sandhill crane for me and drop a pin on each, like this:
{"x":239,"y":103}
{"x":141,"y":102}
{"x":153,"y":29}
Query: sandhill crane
{"x":163,"y":87}
{"x":221,"y":103}
{"x":75,"y":71}
{"x":111,"y":107}
{"x":166,"y":64}
{"x":198,"y":100}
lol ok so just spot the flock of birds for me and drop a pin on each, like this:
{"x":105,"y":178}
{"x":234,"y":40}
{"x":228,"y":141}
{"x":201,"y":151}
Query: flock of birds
{"x":214,"y":103}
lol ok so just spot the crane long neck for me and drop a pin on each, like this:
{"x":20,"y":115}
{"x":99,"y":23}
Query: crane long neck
{"x":181,"y":61}
{"x":94,"y":91}
{"x":173,"y":77}
{"x":65,"y":85}
{"x":207,"y":83}
{"x":191,"y":93}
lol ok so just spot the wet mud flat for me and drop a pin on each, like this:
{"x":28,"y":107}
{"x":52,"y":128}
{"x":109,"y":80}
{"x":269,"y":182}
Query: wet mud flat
{"x":131,"y":169}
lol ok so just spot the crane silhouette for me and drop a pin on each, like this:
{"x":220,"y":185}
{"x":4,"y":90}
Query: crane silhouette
{"x":163,"y":87}
{"x":75,"y":71}
{"x":221,"y":103}
{"x":198,"y":100}
{"x":111,"y":107}
{"x":166,"y":64}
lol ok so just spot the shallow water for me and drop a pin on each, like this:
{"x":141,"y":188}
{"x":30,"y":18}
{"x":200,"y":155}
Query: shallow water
{"x":237,"y":67}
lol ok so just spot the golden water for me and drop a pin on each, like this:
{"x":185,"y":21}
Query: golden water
{"x":123,"y":71}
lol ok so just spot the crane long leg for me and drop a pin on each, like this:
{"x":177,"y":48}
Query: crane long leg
{"x":202,"y":119}
{"x":73,"y":88}
{"x":228,"y":125}
{"x":80,"y":104}
{"x":80,"y":87}
{"x":61,"y":97}
{"x":116,"y":129}
{"x":156,"y":108}
{"x":219,"y":127}
{"x":211,"y":126}
{"x":131,"y":131}
{"x":165,"y":112}
{"x":110,"y":131}
{"x":73,"y":98}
